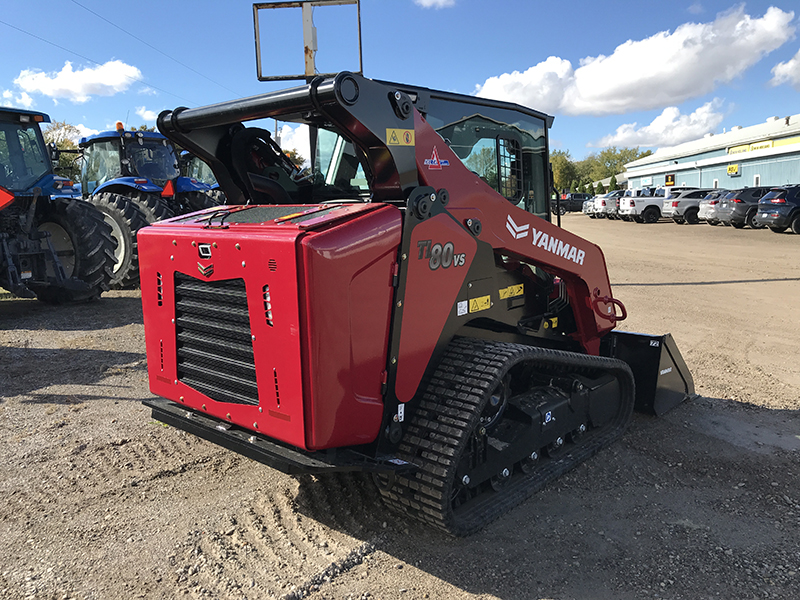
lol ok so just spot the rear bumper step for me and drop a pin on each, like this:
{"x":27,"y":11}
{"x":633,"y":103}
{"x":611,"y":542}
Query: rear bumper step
{"x":264,"y":450}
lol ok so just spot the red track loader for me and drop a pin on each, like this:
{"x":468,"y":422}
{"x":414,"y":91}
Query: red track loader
{"x":404,"y":307}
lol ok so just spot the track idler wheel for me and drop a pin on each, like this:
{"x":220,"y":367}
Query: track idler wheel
{"x":497,"y":422}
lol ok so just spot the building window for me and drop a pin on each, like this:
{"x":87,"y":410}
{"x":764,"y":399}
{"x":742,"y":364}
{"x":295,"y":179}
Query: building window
{"x":756,"y":180}
{"x":716,"y":184}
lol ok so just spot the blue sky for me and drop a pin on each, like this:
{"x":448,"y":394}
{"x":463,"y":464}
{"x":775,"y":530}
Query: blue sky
{"x":647,"y":74}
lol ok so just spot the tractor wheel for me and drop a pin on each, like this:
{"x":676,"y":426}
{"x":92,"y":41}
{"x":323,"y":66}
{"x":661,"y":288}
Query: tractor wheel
{"x":201,"y":200}
{"x":651,"y":215}
{"x":125,"y":220}
{"x":218,"y":196}
{"x":691,"y":216}
{"x":83,"y":244}
{"x":751,"y":221}
{"x":153,"y":207}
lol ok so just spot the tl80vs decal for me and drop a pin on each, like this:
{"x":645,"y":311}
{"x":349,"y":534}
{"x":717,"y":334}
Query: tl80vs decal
{"x":440,"y":255}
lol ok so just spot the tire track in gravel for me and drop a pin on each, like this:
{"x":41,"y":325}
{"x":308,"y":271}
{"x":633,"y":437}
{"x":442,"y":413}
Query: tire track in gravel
{"x":268,"y":548}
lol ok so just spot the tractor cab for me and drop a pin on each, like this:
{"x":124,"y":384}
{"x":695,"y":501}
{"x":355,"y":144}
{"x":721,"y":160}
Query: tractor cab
{"x":142,"y":160}
{"x":25,"y":161}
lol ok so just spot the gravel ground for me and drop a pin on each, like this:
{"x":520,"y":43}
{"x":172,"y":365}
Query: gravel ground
{"x":100,"y":501}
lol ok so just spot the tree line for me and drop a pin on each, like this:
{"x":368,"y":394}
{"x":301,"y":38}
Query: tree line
{"x":579,"y":176}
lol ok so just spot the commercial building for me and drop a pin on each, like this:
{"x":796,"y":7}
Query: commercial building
{"x":765,"y":154}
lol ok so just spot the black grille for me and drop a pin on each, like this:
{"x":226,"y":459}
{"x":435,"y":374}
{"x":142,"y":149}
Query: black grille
{"x":215,"y":346}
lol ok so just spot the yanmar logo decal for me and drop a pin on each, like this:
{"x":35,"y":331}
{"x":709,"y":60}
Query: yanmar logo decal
{"x":518,"y":231}
{"x":541,"y":240}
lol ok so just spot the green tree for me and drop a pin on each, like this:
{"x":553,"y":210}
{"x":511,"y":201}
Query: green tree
{"x":295,"y":157}
{"x":591,"y":189}
{"x":582,"y":188}
{"x":601,"y":189}
{"x":144,"y":128}
{"x":62,"y":134}
{"x":612,"y":185}
{"x":563,"y":169}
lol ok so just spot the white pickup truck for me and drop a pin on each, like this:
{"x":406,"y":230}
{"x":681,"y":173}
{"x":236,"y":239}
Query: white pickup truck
{"x":644,"y":205}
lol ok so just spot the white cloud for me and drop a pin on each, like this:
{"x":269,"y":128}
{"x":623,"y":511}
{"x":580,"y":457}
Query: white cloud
{"x":147,"y":115}
{"x":787,"y":72}
{"x":78,"y":86}
{"x":435,"y":3}
{"x":670,"y":128}
{"x":662,"y":70}
{"x":696,"y":8}
{"x":20,"y":100}
{"x":296,"y":138}
{"x":83,"y":131}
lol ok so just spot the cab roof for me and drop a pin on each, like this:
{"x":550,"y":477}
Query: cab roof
{"x":114,"y":135}
{"x":14,"y":114}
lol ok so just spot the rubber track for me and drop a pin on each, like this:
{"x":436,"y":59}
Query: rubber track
{"x":448,"y":414}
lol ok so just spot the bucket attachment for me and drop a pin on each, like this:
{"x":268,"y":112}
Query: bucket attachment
{"x":662,"y":378}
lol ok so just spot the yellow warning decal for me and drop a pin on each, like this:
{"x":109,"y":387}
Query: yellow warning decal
{"x":512,"y":291}
{"x":479,"y":304}
{"x":399,"y":137}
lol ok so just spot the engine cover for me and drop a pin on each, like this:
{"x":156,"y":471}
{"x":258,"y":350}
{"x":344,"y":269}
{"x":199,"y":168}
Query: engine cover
{"x":274,"y":318}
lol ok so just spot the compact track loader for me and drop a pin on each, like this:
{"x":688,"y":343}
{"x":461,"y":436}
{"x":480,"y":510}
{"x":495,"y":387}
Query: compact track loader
{"x":404,"y":307}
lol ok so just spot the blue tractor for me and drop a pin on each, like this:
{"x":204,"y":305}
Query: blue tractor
{"x":140,"y":169}
{"x":53,"y":246}
{"x":195,"y":169}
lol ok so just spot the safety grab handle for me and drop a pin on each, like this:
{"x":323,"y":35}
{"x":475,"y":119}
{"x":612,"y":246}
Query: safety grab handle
{"x":597,"y":299}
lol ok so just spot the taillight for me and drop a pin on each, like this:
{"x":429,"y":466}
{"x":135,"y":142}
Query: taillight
{"x":713,"y":202}
{"x":675,"y":204}
{"x":778,"y":200}
{"x":737,"y":200}
{"x":603,"y":202}
{"x":6,"y":197}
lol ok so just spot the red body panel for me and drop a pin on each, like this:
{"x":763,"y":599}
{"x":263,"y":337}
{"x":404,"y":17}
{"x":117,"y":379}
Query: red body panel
{"x":347,"y":300}
{"x":430,"y":298}
{"x":320,"y":356}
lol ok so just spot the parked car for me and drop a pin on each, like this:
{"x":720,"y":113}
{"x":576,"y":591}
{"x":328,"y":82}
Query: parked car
{"x":708,"y":206}
{"x":739,"y":207}
{"x":607,"y":205}
{"x":571,"y":202}
{"x":642,"y":205}
{"x":779,"y":209}
{"x":588,"y":208}
{"x":683,"y":207}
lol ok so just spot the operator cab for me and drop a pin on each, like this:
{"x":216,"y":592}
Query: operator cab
{"x":504,"y":144}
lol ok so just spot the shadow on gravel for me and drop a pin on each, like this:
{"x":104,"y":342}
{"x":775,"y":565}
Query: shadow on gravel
{"x":105,"y":313}
{"x":29,"y":370}
{"x":700,"y":503}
